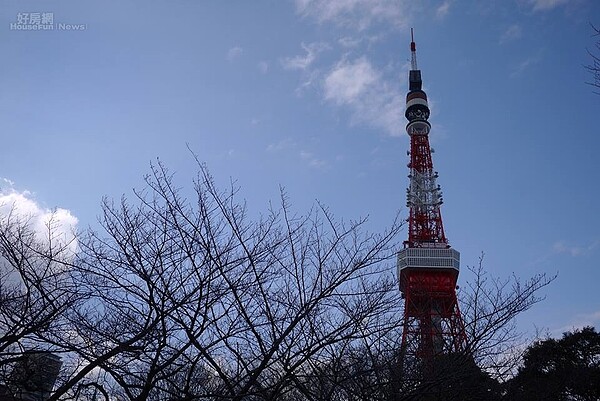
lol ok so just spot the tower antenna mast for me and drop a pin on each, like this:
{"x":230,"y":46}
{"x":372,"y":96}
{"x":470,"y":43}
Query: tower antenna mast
{"x":413,"y":51}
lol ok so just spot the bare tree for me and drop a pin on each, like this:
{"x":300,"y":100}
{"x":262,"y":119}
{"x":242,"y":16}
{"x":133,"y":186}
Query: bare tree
{"x":594,"y":66}
{"x":192,"y":300}
{"x":36,"y":290}
{"x":490,"y":306}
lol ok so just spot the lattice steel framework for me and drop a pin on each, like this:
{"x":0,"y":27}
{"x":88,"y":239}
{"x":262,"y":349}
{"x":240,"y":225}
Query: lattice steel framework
{"x":427,"y":266}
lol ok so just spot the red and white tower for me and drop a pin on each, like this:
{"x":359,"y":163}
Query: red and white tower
{"x":427,"y":266}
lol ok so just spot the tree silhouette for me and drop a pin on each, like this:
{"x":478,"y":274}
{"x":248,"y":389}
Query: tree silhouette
{"x":557,"y":370}
{"x":594,"y":66}
{"x":176,"y":298}
{"x":181,"y":299}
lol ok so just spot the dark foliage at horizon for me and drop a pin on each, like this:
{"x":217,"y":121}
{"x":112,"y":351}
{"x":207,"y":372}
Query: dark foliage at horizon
{"x":563,"y":369}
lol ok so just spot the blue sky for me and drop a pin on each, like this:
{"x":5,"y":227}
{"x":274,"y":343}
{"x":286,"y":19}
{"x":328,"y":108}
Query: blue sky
{"x":309,"y":94}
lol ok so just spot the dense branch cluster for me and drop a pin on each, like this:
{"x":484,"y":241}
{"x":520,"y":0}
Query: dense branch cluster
{"x":177,"y":299}
{"x":172,"y":299}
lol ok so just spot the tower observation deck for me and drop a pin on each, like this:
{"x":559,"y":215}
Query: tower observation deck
{"x":428,"y":267}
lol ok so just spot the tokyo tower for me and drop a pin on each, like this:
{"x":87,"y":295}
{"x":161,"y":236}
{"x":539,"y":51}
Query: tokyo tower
{"x":427,"y":266}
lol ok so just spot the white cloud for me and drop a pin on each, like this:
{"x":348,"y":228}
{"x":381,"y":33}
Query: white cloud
{"x":234,"y":53}
{"x":289,"y":147}
{"x":348,"y":41}
{"x":562,"y":247}
{"x":578,"y":322}
{"x":513,"y":32}
{"x":358,"y":14}
{"x":524,"y":65}
{"x":263,"y":67}
{"x":19,"y":208}
{"x":544,"y":5}
{"x":309,"y":79}
{"x":372,"y":100}
{"x":312,"y":160}
{"x":443,"y":9}
{"x":281,"y":145}
{"x":348,"y":81}
{"x":574,"y":250}
{"x":302,"y":62}
{"x":9,"y":182}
